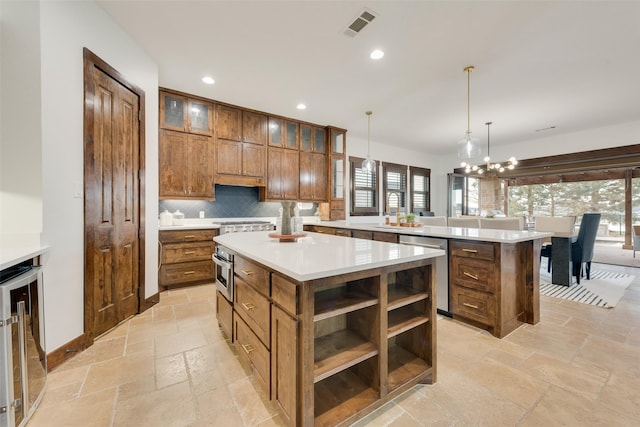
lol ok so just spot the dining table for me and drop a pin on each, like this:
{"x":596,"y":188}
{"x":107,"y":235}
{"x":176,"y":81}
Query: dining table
{"x":562,"y":267}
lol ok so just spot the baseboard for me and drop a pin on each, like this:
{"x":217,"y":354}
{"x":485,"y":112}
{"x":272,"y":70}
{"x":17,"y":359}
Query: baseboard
{"x":149,"y":302}
{"x":66,"y":352}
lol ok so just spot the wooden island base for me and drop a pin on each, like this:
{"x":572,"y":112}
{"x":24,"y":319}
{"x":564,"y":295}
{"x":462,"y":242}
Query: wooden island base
{"x":337,"y":347}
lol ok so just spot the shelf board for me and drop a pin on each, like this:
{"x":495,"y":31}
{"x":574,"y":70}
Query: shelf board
{"x":403,"y":319}
{"x":341,"y":396}
{"x":338,"y":351}
{"x":399,"y":297}
{"x":329,"y":305}
{"x":404,"y":366}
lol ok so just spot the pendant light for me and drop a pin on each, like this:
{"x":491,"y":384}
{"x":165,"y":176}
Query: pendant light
{"x":368,"y":164}
{"x":491,"y":167}
{"x":468,"y":147}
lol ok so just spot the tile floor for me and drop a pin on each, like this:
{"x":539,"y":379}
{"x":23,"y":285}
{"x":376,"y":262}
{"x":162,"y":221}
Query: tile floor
{"x":170,"y":366}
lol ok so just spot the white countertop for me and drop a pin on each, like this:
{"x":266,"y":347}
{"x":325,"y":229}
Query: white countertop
{"x":17,"y":248}
{"x":321,"y":255}
{"x":480,"y":234}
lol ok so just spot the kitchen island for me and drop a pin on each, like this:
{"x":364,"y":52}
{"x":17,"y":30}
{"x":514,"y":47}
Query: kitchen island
{"x":332,"y":327}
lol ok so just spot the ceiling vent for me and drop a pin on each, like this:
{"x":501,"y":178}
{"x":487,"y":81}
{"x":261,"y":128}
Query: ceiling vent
{"x":360,"y":22}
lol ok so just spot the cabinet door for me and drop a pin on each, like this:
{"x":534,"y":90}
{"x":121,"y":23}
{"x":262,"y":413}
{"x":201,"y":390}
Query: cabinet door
{"x":305,"y":138}
{"x":200,"y":116}
{"x":173,"y":112}
{"x":290,"y":174}
{"x":274,"y":173}
{"x":254,"y":128}
{"x":253,"y":160}
{"x":284,"y":362}
{"x":306,"y":176}
{"x":173,"y":164}
{"x":337,"y":141}
{"x":292,"y":135}
{"x":337,"y":178}
{"x":228,"y":122}
{"x":319,"y":140}
{"x":228,"y":157}
{"x":313,"y":177}
{"x":276,"y":132}
{"x":200,"y":169}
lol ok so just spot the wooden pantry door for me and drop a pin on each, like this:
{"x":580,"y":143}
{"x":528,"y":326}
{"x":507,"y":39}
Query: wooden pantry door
{"x":113,"y":198}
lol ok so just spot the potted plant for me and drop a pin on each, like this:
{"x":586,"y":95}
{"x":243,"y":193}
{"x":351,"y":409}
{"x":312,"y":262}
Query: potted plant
{"x":411,"y":218}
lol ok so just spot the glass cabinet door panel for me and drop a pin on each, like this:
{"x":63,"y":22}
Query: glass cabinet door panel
{"x":305,"y":138}
{"x":174,"y":111}
{"x":199,"y":116}
{"x":292,"y":135}
{"x":337,"y":171}
{"x":337,"y":139}
{"x":275,"y":132}
{"x":319,"y":141}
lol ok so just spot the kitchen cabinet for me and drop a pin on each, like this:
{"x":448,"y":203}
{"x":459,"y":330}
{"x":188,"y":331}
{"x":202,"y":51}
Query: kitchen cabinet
{"x":185,"y":166}
{"x":283,"y":133}
{"x":184,"y":114}
{"x":241,"y":140}
{"x":185,"y":257}
{"x":313,"y":138}
{"x":337,"y":173}
{"x":313,"y":177}
{"x":283,"y":168}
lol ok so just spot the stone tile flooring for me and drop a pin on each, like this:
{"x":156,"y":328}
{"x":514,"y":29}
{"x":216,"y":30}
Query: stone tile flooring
{"x":170,"y":366}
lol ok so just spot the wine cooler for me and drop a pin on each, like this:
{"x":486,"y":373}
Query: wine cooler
{"x":23,"y":362}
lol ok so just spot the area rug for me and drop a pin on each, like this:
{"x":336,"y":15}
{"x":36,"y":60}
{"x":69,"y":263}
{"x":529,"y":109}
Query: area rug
{"x":604,"y":289}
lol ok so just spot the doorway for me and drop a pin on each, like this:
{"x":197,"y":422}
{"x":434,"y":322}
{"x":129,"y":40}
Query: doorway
{"x":114,"y":199}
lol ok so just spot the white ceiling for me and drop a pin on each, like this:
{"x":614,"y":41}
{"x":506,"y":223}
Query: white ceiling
{"x":574,"y":65}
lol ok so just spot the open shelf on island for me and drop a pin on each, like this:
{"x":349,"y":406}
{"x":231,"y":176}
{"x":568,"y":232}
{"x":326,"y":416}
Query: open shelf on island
{"x":327,"y":304}
{"x":404,"y":366}
{"x":338,"y":351}
{"x":404,"y":319}
{"x":340,"y":397}
{"x":400,"y":296}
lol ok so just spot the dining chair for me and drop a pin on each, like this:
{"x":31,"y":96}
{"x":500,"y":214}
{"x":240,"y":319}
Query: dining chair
{"x":512,"y":223}
{"x":440,"y":221}
{"x":582,"y":248}
{"x":467,"y":222}
{"x":636,"y":239}
{"x":554,"y":224}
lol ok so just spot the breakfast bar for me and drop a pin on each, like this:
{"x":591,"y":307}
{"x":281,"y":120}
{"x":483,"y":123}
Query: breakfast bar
{"x":332,"y":327}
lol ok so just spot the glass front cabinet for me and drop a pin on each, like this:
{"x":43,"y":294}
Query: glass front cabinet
{"x":337,"y":171}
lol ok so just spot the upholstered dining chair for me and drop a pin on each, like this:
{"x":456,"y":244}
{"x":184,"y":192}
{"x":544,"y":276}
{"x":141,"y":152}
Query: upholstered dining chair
{"x":636,"y":239}
{"x":468,"y":222}
{"x":582,"y":249}
{"x":554,"y":224}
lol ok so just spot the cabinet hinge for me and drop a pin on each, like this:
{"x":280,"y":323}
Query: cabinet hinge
{"x":10,"y":320}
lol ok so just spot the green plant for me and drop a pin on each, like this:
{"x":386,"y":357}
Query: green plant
{"x":410,"y":217}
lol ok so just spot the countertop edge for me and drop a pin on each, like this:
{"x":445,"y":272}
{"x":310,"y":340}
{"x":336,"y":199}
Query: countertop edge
{"x":13,"y":256}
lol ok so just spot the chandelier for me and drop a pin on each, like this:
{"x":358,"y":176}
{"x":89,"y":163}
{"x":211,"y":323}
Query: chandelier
{"x":490,"y":167}
{"x":368,"y":164}
{"x":468,"y":147}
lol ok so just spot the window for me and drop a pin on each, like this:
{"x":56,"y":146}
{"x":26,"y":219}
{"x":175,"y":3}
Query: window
{"x":364,"y":189}
{"x":420,"y":189}
{"x":395,"y":187}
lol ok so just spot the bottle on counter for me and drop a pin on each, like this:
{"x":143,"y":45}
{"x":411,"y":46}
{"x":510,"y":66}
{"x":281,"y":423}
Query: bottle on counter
{"x":178,"y":218}
{"x":166,"y":219}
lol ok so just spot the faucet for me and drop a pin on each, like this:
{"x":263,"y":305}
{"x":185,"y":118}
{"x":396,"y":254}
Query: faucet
{"x":398,"y":195}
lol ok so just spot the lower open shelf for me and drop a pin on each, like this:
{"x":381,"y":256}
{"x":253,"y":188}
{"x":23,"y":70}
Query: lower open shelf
{"x":404,"y":366}
{"x":340,"y":396}
{"x":338,"y":351}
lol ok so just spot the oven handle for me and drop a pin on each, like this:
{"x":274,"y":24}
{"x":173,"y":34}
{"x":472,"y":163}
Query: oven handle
{"x":221,"y":262}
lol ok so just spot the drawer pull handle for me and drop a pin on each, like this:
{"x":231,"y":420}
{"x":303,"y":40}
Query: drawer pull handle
{"x":248,"y":348}
{"x":189,"y":272}
{"x":248,"y":306}
{"x":190,"y":252}
{"x":473,"y":251}
{"x":473,"y":276}
{"x":190,"y":236}
{"x":247,"y":272}
{"x":466,"y":304}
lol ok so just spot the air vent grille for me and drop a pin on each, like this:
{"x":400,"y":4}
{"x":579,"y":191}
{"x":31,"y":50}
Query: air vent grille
{"x":364,"y":19}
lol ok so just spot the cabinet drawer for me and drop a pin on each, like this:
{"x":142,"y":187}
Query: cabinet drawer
{"x":361,"y":234}
{"x":467,"y":249}
{"x":224,"y":313}
{"x":186,"y":272}
{"x":385,"y":237}
{"x":478,"y":306}
{"x":473,"y":273}
{"x":252,"y":274}
{"x":254,"y":308}
{"x":182,"y":252}
{"x":251,"y":349}
{"x":179,"y":236}
{"x":285,"y":294}
{"x":343,"y":232}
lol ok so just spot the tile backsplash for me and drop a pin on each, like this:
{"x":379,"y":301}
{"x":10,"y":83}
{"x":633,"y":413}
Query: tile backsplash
{"x":231,"y":202}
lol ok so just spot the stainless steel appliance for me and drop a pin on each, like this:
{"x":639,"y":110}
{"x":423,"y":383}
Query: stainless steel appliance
{"x":23,"y":362}
{"x":442,"y":268}
{"x":223,"y":261}
{"x":244,"y":226}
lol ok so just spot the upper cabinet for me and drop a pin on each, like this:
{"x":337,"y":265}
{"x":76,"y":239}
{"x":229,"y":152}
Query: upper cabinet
{"x":185,"y":114}
{"x":284,"y":133}
{"x":241,"y":142}
{"x":313,"y":138}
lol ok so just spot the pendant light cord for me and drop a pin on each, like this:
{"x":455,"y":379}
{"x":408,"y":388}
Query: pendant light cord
{"x":368,"y":113}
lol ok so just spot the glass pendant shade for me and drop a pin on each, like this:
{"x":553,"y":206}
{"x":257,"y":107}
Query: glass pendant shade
{"x":468,"y":147}
{"x":368,"y":164}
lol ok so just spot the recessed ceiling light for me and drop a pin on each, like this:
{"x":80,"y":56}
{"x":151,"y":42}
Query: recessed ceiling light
{"x":301,"y":106}
{"x":376,"y":54}
{"x":208,"y":80}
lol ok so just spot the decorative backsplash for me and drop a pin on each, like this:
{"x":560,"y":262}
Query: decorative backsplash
{"x":231,"y":202}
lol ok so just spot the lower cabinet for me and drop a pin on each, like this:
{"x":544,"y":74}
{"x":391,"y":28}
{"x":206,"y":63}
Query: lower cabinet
{"x":224,"y":313}
{"x":284,"y":360}
{"x":185,"y":257}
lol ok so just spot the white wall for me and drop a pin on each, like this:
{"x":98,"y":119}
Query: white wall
{"x":20,"y":131}
{"x":67,"y":27}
